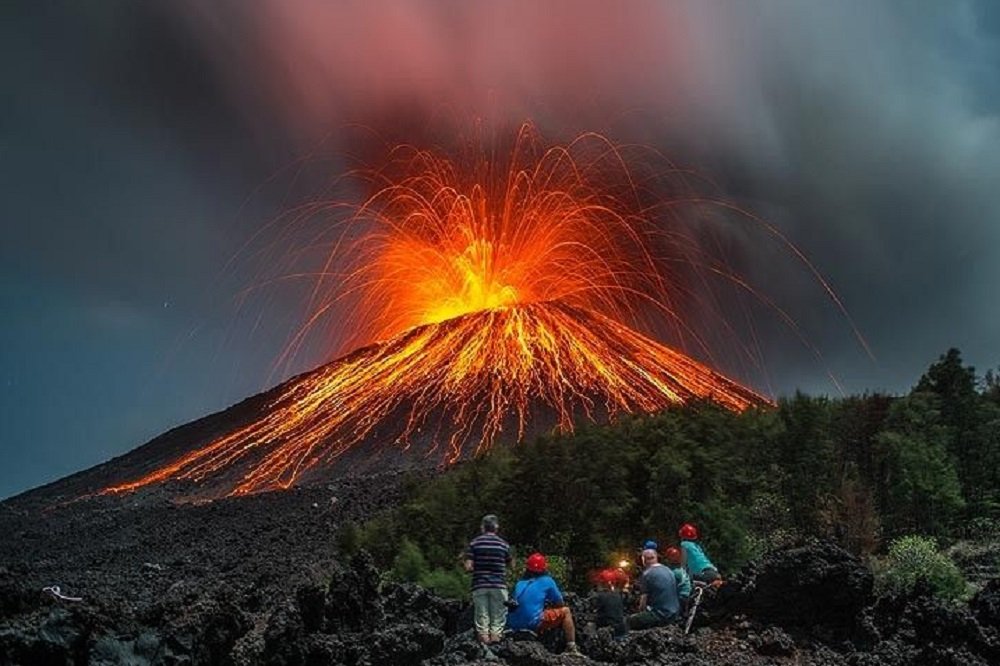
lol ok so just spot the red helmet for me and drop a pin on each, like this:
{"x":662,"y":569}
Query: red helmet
{"x":688,"y":532}
{"x":673,"y":555}
{"x":607,"y":576}
{"x":536,"y":563}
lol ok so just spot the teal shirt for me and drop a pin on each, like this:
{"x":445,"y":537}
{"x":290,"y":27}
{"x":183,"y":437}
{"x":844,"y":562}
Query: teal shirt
{"x":683,"y":582}
{"x":697,"y":560}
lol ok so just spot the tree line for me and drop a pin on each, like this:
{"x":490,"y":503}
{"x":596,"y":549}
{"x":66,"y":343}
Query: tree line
{"x":861,"y":470}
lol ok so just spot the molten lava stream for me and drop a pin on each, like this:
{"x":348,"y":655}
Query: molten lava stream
{"x":499,"y":296}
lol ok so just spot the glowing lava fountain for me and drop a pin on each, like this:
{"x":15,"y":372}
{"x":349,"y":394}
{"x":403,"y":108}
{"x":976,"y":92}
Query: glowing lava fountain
{"x":487,"y":300}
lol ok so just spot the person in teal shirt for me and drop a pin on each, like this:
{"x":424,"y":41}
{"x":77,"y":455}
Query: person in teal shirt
{"x":680,"y":573}
{"x":694,"y":558}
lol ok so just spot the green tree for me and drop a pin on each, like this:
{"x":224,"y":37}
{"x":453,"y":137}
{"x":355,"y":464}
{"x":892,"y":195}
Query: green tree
{"x":808,"y":458}
{"x":991,"y":386}
{"x":924,"y":494}
{"x":954,"y":386}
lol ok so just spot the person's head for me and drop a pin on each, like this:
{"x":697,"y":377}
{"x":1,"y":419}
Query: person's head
{"x":688,"y":532}
{"x":535,"y":565}
{"x":610,"y":579}
{"x":673,"y":556}
{"x":490,"y":523}
{"x":649,"y":558}
{"x":604,"y":580}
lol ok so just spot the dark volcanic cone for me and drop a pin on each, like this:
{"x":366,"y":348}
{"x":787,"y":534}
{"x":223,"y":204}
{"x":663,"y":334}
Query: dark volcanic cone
{"x":434,"y":394}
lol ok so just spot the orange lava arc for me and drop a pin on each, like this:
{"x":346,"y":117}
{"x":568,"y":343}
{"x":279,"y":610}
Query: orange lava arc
{"x":484,"y":300}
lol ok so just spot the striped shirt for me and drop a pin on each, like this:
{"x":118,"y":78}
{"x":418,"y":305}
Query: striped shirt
{"x":490,"y":556}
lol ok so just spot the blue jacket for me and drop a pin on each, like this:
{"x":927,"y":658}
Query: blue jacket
{"x":531,"y":595}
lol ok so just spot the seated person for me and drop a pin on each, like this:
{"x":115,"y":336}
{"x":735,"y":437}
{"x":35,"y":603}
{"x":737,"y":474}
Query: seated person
{"x":610,"y":603}
{"x":698,"y":566}
{"x":659,"y":604}
{"x":673,"y":557}
{"x":532,"y":594}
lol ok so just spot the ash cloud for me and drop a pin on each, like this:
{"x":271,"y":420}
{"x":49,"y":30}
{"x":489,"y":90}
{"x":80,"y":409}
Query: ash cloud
{"x":136,"y":133}
{"x":867,"y":131}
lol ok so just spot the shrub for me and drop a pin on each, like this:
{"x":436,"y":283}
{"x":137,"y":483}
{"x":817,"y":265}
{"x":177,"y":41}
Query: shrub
{"x":450,"y":583}
{"x":915,"y":558}
{"x":348,"y":539}
{"x":409,"y":566}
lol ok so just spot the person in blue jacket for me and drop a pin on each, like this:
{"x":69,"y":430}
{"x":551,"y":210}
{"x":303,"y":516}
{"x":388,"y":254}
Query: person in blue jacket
{"x":538,"y":603}
{"x":694,"y":558}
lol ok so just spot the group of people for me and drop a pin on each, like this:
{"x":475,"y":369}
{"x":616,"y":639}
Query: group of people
{"x":536,"y":602}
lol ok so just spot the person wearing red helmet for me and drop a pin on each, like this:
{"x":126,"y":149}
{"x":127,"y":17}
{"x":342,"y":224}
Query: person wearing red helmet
{"x":694,"y":558}
{"x":673,"y":557}
{"x":609,"y":602}
{"x":538,"y":603}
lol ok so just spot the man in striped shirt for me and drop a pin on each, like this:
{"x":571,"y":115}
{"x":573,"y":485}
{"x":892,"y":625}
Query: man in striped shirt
{"x":487,"y":558}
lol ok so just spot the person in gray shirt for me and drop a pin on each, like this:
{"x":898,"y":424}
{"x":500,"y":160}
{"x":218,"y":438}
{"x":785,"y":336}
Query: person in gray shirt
{"x":659,"y":604}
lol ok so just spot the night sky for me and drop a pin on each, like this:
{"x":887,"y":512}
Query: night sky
{"x":142,"y":145}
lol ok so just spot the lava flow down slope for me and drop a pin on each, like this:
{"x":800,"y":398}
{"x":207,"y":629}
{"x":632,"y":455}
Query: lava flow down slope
{"x":453,"y":388}
{"x":487,"y":301}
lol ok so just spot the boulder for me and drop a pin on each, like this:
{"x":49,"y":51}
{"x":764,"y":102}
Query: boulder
{"x":986,"y":605}
{"x":809,"y":586}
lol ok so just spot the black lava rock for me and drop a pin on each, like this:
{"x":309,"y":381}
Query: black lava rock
{"x":986,"y":605}
{"x":814,"y":585}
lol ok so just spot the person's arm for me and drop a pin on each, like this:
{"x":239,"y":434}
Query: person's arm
{"x":641,"y":586}
{"x":468,"y":559}
{"x":553,"y":596}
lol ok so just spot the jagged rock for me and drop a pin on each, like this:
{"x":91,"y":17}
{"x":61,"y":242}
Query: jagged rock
{"x":986,"y":605}
{"x":135,"y":651}
{"x":324,"y":650}
{"x":352,"y":598}
{"x":311,"y":600}
{"x":773,"y":642}
{"x":412,"y":603}
{"x":406,"y":645}
{"x":815,"y":585}
{"x":650,"y":644}
{"x":458,"y":649}
{"x":923,"y":627}
{"x":526,"y":653}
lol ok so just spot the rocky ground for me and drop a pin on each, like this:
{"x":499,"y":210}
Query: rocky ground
{"x":257,"y":580}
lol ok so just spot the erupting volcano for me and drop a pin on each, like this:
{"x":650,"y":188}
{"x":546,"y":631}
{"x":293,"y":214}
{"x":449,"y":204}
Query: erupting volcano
{"x":485,"y":300}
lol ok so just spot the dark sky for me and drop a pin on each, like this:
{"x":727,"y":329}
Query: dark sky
{"x":139,"y":144}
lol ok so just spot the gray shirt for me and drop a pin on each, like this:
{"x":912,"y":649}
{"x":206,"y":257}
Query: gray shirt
{"x":660,"y":587}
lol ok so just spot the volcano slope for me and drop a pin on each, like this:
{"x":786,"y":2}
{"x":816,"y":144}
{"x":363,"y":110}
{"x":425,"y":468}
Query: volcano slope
{"x":258,"y":580}
{"x":430,"y":396}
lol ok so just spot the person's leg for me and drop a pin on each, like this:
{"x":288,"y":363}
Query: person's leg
{"x":498,"y":613}
{"x":560,"y":617}
{"x":569,"y":628}
{"x":707,"y":576}
{"x":481,"y":614}
{"x":644,"y":620}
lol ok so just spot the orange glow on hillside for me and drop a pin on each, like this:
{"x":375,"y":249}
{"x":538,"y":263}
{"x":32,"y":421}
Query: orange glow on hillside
{"x":483,"y":297}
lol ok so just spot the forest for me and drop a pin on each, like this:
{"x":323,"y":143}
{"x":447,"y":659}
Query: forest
{"x":900,"y":480}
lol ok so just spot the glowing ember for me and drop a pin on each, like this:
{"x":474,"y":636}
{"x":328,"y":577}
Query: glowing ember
{"x":501,"y":295}
{"x":458,"y":383}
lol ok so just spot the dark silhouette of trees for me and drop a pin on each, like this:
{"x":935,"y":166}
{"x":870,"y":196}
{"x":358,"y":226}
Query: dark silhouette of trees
{"x":861,"y":469}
